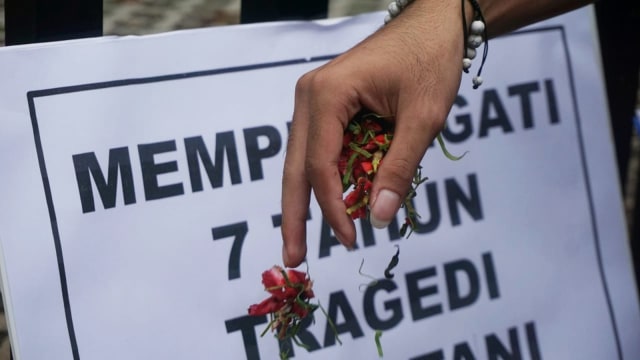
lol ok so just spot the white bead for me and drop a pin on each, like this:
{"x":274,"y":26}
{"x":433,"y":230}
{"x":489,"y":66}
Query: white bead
{"x":477,"y":27}
{"x":474,"y":41}
{"x":471,"y":53}
{"x":477,"y":81}
{"x":402,"y":3}
{"x":394,"y":10}
{"x":387,"y":18}
{"x":466,"y":63}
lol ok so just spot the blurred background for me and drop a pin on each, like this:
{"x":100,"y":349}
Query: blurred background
{"x":619,"y":35}
{"x":139,"y":17}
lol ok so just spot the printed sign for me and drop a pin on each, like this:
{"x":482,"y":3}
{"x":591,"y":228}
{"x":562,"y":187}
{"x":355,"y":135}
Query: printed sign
{"x":141,"y":203}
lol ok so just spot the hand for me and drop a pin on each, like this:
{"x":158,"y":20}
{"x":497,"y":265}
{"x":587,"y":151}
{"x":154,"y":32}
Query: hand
{"x":411,"y":68}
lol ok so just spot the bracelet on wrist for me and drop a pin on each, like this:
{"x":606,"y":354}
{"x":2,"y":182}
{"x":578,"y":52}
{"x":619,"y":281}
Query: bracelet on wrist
{"x":474,"y":35}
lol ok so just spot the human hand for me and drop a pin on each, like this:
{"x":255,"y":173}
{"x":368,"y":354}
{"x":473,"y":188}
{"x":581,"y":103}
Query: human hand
{"x":411,"y":69}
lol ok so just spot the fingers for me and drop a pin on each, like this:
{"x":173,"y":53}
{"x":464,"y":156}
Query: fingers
{"x":295,"y":186}
{"x":330,"y":112}
{"x":311,"y":161}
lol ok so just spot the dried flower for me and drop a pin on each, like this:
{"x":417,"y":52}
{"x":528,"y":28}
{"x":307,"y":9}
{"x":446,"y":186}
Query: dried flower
{"x":288,"y":304}
{"x":290,"y":291}
{"x":366,"y":141}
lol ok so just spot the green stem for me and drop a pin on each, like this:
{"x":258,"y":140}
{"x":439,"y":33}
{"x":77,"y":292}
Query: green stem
{"x":331,"y":324}
{"x":378,"y":344}
{"x":446,"y":152}
{"x":360,"y":151}
{"x":347,"y":174}
{"x":373,"y":279}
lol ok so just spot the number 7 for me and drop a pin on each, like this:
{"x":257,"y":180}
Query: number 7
{"x":239,"y":232}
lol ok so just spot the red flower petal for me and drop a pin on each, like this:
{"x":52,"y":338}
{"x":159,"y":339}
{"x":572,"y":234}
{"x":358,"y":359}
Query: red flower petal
{"x":352,"y":198}
{"x":273,"y":277}
{"x":308,"y":293}
{"x":299,"y":310}
{"x":370,"y":146}
{"x":267,"y":306}
{"x":360,"y":213}
{"x":296,"y":277}
{"x":382,"y":139}
{"x":367,"y":167}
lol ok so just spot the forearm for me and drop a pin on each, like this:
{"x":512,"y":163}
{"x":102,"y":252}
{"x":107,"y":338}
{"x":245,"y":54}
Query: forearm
{"x":503,"y":16}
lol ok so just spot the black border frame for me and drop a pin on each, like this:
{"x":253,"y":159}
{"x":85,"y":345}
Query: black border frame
{"x":32,"y":95}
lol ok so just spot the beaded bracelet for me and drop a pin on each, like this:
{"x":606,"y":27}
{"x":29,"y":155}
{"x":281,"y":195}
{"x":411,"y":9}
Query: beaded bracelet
{"x":473,"y":36}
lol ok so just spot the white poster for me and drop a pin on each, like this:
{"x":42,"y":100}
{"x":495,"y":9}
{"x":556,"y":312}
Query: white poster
{"x":140,"y":204}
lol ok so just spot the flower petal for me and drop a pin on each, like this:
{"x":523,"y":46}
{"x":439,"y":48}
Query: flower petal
{"x":267,"y":306}
{"x":296,"y":277}
{"x":273,"y":277}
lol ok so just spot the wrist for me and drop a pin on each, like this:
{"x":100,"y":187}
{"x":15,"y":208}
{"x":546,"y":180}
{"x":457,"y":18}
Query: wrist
{"x":461,"y":18}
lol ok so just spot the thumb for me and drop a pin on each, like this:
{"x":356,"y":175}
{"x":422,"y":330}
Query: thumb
{"x":414,"y":132}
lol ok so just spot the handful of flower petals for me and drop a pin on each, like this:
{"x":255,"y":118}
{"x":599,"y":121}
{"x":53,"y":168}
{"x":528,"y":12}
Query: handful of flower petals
{"x":365,"y":143}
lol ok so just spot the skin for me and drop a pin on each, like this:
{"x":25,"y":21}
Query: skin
{"x":410,"y":68}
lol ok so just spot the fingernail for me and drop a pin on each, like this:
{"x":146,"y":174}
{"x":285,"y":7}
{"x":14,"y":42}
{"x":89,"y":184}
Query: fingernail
{"x":384,"y":208}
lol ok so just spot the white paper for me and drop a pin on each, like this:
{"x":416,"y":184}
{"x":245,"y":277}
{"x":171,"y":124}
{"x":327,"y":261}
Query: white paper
{"x":537,"y":264}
